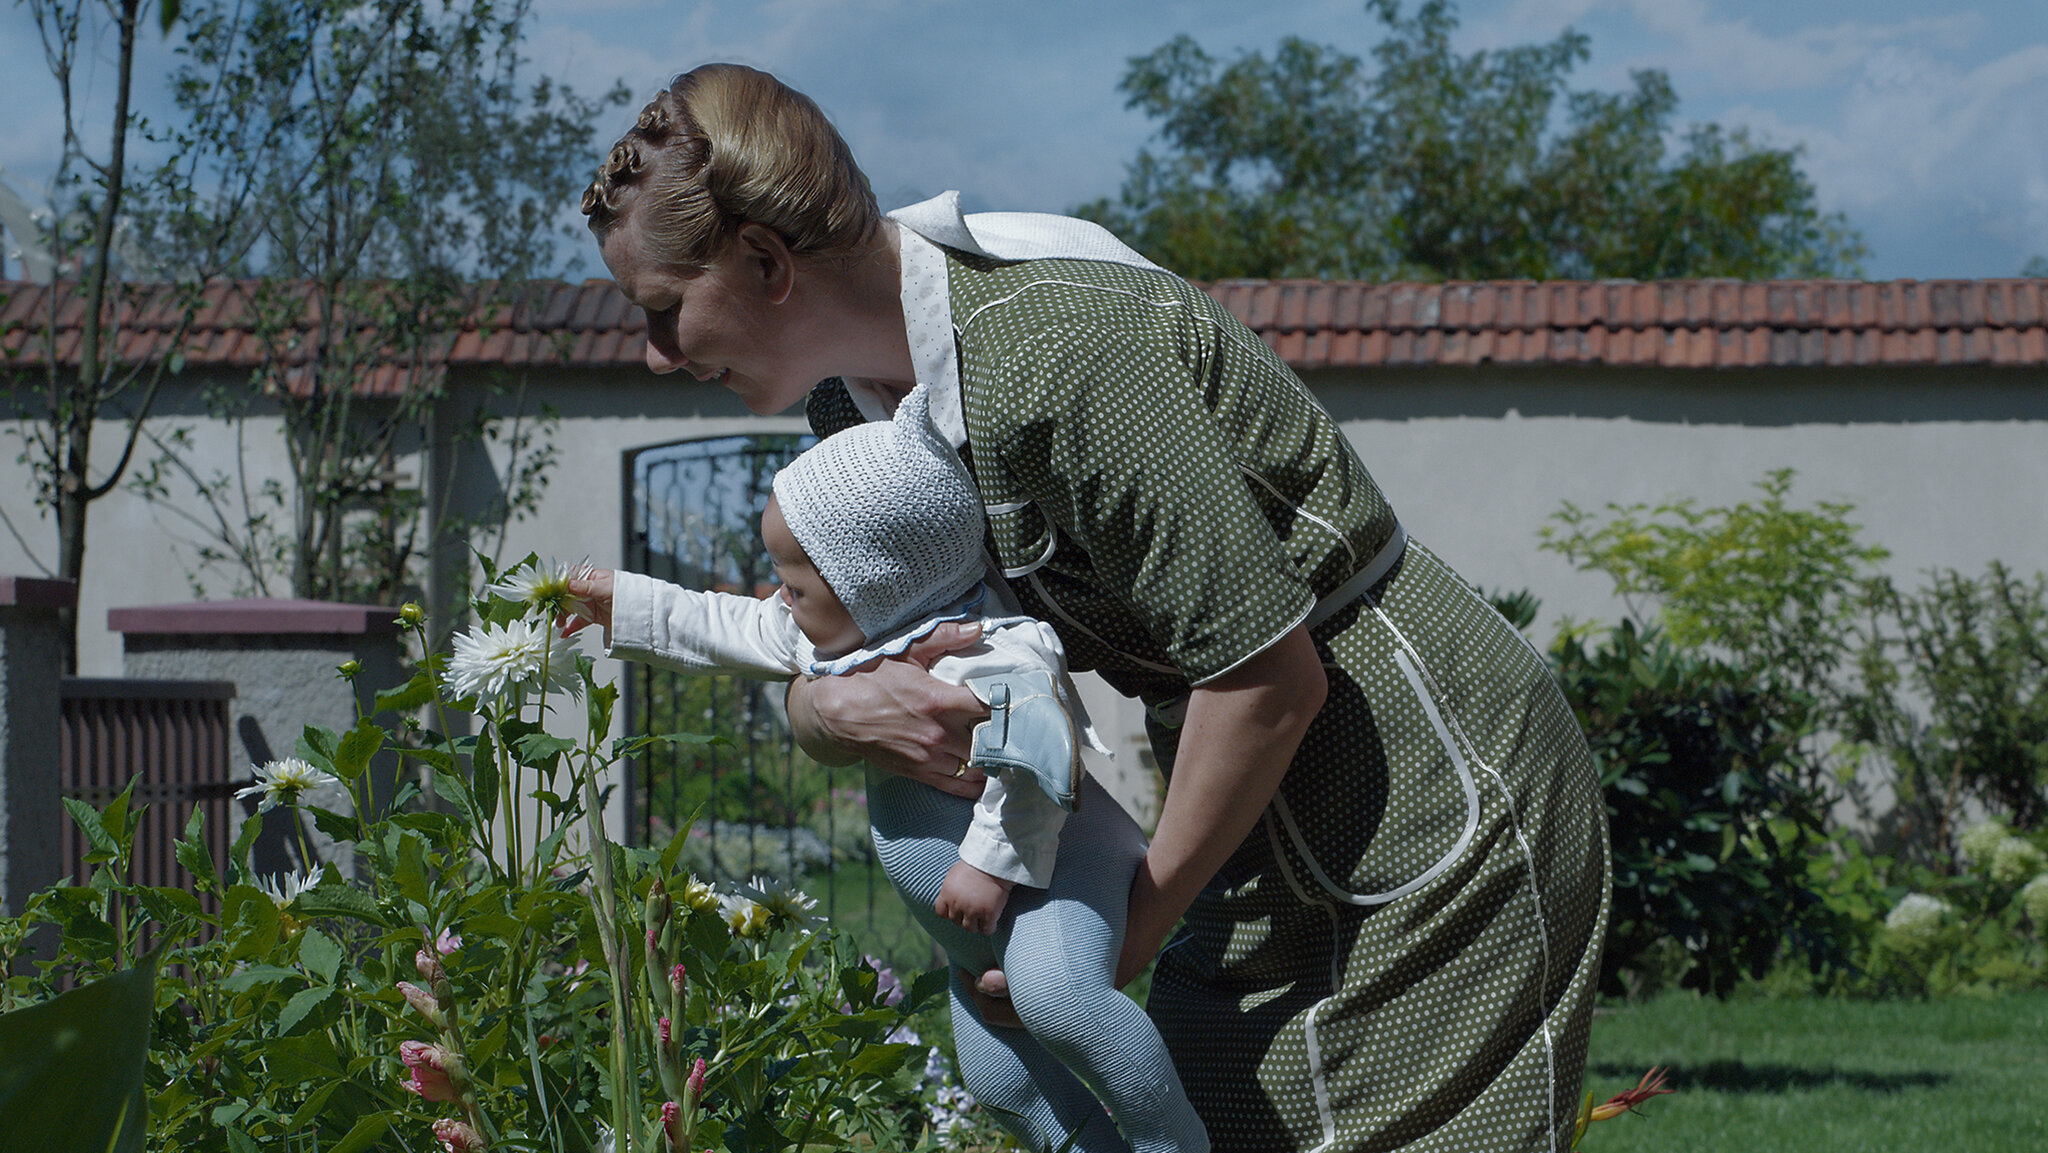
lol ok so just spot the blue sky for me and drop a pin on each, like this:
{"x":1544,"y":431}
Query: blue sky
{"x":1922,"y":122}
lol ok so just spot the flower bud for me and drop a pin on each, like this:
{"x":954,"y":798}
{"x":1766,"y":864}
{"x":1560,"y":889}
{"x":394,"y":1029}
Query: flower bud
{"x":424,"y":1004}
{"x":672,"y":1126}
{"x":411,"y":614}
{"x":430,"y":967}
{"x":348,"y":670}
{"x":457,"y":1137}
{"x":693,"y":1088}
{"x":675,"y":988}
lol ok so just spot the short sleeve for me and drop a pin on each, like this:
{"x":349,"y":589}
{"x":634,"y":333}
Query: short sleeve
{"x":1117,"y":436}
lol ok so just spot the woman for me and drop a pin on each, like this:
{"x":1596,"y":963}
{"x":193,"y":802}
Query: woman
{"x":1381,"y":823}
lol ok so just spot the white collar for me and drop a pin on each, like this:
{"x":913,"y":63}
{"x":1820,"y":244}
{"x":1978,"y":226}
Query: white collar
{"x":922,"y":230}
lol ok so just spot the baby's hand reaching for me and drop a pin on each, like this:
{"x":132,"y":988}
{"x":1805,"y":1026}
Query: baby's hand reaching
{"x":590,"y":593}
{"x":972,"y":899}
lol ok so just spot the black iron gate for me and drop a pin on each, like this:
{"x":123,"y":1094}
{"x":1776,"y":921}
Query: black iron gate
{"x":750,"y":804}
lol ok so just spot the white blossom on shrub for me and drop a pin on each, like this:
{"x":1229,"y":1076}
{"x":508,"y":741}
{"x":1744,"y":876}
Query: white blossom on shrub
{"x":1982,"y":839}
{"x":2014,"y":860}
{"x":2034,"y":899}
{"x":1916,"y":919}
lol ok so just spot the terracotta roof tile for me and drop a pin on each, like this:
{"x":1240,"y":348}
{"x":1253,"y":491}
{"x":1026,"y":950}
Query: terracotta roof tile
{"x":1312,"y":324}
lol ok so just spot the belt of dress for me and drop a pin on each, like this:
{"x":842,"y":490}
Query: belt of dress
{"x":1381,"y":564}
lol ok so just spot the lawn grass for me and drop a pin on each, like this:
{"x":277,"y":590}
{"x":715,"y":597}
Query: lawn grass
{"x":1815,"y":1076}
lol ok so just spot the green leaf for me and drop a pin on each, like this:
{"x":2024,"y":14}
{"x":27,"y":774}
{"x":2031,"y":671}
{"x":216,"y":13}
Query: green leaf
{"x":249,"y":922}
{"x":71,"y":1068}
{"x":337,"y":898}
{"x":601,"y":700}
{"x":364,"y":1135}
{"x":302,"y":1003}
{"x":924,"y":987}
{"x":880,"y":1060}
{"x":481,"y":1053}
{"x":356,"y":748}
{"x":309,"y":1058}
{"x":409,"y":870}
{"x":448,"y":784}
{"x":194,"y":855}
{"x":238,"y":853}
{"x":318,"y":744}
{"x":167,"y":19}
{"x":413,"y":694}
{"x":336,"y":826}
{"x":104,"y":847}
{"x":441,"y":759}
{"x":483,"y":763}
{"x":256,"y":976}
{"x":541,"y":748}
{"x":320,"y":954}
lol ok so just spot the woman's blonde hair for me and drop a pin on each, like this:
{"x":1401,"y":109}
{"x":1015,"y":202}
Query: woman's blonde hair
{"x":725,"y":145}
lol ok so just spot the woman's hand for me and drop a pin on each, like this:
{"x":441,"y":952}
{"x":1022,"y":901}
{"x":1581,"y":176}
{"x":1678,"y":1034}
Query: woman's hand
{"x":590,"y":593}
{"x":896,"y":716}
{"x":1241,"y":733}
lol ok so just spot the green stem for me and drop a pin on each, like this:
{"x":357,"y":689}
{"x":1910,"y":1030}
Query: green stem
{"x":604,"y":900}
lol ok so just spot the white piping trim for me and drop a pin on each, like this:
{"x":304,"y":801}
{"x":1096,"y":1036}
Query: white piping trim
{"x":1007,"y":507}
{"x":1350,"y":553}
{"x":1535,"y":896}
{"x":1052,"y":545}
{"x":1465,"y":836}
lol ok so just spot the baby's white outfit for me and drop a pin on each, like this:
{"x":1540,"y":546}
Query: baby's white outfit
{"x":1015,"y":832}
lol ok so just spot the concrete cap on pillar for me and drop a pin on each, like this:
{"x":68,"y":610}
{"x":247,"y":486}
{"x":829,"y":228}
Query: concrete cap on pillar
{"x":255,"y":615}
{"x":38,"y":592}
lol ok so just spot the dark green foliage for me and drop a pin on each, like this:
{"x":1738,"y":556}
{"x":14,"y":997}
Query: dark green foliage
{"x":1711,"y":833}
{"x":1435,"y":165}
{"x":71,"y":1067}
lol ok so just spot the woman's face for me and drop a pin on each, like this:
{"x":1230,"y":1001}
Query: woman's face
{"x":720,"y":324}
{"x":818,"y":611}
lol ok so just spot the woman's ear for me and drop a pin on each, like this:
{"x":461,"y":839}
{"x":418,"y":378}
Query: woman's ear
{"x":766,"y":257}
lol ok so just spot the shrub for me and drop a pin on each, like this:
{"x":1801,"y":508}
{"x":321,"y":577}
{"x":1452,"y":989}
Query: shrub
{"x":1710,"y":825}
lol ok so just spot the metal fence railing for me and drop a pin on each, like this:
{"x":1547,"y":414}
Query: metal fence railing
{"x":751,"y":804}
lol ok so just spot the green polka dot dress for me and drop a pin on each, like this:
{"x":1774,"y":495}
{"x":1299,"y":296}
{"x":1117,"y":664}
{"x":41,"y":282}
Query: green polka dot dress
{"x":1403,"y":953}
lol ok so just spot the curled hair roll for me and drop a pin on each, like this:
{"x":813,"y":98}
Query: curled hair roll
{"x":725,"y":145}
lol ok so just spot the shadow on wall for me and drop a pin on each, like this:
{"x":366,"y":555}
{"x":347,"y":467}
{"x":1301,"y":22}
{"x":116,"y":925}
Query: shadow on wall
{"x":1759,"y":398}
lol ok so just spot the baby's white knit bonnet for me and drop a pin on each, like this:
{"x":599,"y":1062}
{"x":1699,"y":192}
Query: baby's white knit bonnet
{"x":890,"y":517}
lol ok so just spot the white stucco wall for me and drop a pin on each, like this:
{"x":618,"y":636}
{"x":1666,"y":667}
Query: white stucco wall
{"x":1946,"y":467}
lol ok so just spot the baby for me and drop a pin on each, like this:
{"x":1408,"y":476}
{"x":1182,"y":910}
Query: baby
{"x":876,"y":535}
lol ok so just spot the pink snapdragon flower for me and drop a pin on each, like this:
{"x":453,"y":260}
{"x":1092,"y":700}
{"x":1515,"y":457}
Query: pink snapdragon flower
{"x":432,"y":1076}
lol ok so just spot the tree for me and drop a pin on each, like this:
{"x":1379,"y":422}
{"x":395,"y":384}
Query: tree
{"x":1436,"y":165}
{"x":407,"y":177}
{"x":57,"y":428}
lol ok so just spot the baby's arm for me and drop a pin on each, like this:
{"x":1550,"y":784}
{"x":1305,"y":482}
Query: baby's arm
{"x":700,"y":632}
{"x":972,"y":899}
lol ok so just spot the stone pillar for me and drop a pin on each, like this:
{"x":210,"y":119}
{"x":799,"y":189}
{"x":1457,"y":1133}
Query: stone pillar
{"x":31,"y":669}
{"x":282,"y":656}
